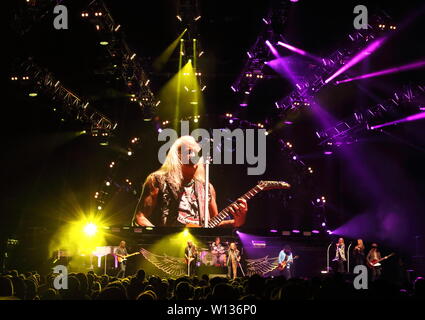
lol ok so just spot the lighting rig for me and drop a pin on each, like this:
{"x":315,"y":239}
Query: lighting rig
{"x":253,"y":71}
{"x":406,"y":99}
{"x":44,"y":81}
{"x":126,"y":65}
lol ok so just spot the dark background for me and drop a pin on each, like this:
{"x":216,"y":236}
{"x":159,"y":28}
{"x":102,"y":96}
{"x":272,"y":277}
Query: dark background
{"x":50,"y":174}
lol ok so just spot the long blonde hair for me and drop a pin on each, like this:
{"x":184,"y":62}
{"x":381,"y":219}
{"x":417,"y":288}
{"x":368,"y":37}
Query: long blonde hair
{"x":171,"y":170}
{"x":360,"y":244}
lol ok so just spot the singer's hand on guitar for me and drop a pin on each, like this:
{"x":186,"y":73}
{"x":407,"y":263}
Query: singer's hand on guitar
{"x":239,"y":211}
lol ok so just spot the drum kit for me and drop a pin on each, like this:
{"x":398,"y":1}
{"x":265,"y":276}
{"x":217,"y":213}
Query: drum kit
{"x":214,"y":255}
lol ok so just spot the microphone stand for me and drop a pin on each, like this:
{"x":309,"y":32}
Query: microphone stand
{"x":243,"y":273}
{"x":327,"y":256}
{"x":348,"y":257}
{"x":207,"y":187}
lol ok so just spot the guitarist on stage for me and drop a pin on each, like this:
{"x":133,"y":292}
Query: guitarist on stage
{"x":191,"y":255}
{"x":285,"y":260}
{"x":121,"y":252}
{"x":174,"y":195}
{"x":372,"y":256}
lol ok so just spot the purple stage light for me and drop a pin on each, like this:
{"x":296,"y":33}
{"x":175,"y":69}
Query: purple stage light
{"x":283,"y":67}
{"x":410,"y":66}
{"x":299,"y":51}
{"x":328,"y":153}
{"x":358,"y":57}
{"x":273,"y":231}
{"x":231,"y":121}
{"x":294,"y":158}
{"x":244,"y":105}
{"x":258,"y":243}
{"x":323,"y":224}
{"x":292,"y":48}
{"x":315,"y":231}
{"x":414,"y":117}
{"x":329,"y":232}
{"x":272,"y":49}
{"x":233,"y":88}
{"x":295,"y":231}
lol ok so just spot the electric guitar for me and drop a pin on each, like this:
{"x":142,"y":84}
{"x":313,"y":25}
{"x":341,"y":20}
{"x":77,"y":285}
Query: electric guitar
{"x":376,"y":262}
{"x":261,"y":186}
{"x":284,"y":263}
{"x":124,"y":258}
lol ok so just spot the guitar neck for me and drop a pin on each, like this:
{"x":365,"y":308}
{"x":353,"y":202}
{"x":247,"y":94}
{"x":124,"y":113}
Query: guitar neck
{"x":226,"y":211}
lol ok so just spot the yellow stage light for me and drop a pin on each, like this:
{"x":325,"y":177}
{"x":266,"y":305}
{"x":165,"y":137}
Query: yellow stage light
{"x":90,"y":229}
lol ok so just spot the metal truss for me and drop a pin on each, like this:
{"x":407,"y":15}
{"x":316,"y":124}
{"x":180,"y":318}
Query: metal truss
{"x":259,"y":53}
{"x":81,"y":109}
{"x":127,"y":66}
{"x":344,"y":131}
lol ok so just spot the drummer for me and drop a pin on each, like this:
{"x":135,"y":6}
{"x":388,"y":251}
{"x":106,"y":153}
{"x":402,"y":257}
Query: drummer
{"x":219,"y":252}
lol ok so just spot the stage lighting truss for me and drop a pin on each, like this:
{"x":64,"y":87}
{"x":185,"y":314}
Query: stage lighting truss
{"x":253,"y":71}
{"x":308,"y":87}
{"x":407,"y":99}
{"x":44,"y":81}
{"x":125,"y":62}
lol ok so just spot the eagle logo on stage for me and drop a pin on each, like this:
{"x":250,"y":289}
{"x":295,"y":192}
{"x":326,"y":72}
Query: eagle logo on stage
{"x":170,"y":265}
{"x":176,"y":267}
{"x":261,"y":266}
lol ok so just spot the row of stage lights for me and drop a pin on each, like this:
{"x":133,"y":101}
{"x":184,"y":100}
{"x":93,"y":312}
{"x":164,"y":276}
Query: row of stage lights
{"x":15,"y":78}
{"x":96,"y":14}
{"x":383,"y":27}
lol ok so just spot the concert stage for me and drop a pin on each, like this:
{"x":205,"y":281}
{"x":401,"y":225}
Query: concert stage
{"x":161,"y":247}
